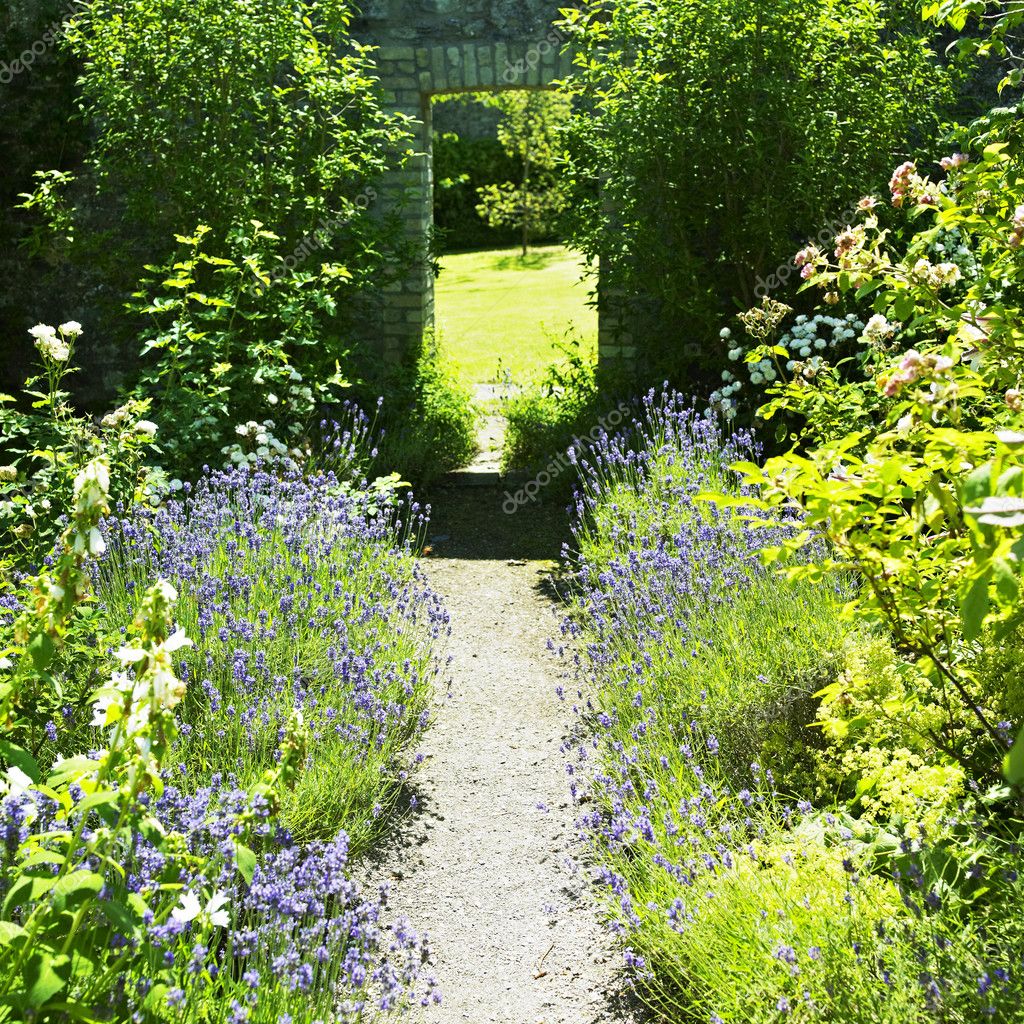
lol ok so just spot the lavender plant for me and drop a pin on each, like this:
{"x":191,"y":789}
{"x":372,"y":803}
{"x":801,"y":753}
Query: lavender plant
{"x":302,"y":595}
{"x":128,"y":888}
{"x":698,"y":676}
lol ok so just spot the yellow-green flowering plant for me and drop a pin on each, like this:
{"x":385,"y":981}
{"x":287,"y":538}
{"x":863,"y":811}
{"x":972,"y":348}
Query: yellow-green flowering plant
{"x":923,"y":498}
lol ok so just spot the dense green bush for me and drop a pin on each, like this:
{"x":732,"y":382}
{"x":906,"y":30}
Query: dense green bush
{"x":723,"y":132}
{"x":428,"y":421}
{"x":37,"y":129}
{"x":251,"y":120}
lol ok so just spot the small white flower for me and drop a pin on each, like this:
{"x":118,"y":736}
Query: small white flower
{"x":72,"y":328}
{"x":146,"y":427}
{"x":214,"y":912}
{"x":18,"y":783}
{"x":189,"y":910}
{"x":272,"y":398}
{"x":757,"y":377}
{"x":726,"y":376}
{"x":43,"y":333}
{"x":725,"y":333}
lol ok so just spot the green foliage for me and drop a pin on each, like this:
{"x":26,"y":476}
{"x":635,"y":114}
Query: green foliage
{"x":924,"y":501}
{"x":461,"y":168}
{"x":896,"y":898}
{"x":281,"y":122}
{"x":46,"y":444}
{"x":37,"y":129}
{"x":343,"y":786}
{"x":225,"y":115}
{"x":719,"y":130}
{"x":546,"y":418}
{"x":231,"y":342}
{"x":428,"y":420}
{"x":531,"y":132}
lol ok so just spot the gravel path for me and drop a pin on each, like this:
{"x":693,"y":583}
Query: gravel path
{"x":485,"y":865}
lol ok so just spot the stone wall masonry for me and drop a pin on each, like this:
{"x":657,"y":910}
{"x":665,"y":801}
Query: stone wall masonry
{"x":428,"y":48}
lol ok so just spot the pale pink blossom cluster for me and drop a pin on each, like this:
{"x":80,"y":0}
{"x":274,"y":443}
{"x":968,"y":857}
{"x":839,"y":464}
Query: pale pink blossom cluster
{"x":807,"y":260}
{"x":901,"y":180}
{"x":906,"y":182}
{"x":1017,"y":225}
{"x":914,"y":366}
{"x":951,"y":163}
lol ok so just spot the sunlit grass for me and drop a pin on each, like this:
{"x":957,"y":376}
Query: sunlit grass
{"x":498,"y":312}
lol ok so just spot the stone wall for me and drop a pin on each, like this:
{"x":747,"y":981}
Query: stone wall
{"x":428,"y":48}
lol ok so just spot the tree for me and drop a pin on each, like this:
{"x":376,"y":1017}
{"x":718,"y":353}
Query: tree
{"x":723,"y":130}
{"x":530,"y":132}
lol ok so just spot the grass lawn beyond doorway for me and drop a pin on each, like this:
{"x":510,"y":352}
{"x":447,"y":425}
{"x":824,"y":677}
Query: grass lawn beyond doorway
{"x":495,"y":308}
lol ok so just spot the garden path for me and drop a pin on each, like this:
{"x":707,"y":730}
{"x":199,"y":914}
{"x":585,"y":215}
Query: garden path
{"x":485,"y":865}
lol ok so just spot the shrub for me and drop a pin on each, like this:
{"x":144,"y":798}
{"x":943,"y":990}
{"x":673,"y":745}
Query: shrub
{"x":461,"y":168}
{"x":131,"y":889}
{"x":240,"y":117}
{"x":428,"y":422}
{"x":301,"y":597}
{"x":718,"y":131}
{"x":546,"y":417}
{"x":230,"y":341}
{"x":46,"y":444}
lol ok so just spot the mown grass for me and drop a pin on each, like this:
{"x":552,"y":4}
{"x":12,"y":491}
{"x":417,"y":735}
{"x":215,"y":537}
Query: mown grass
{"x":499,"y":313}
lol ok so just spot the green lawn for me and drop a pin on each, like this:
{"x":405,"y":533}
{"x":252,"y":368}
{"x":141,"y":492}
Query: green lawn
{"x":494,"y":308}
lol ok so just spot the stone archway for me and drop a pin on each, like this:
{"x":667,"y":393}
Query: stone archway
{"x":428,"y":48}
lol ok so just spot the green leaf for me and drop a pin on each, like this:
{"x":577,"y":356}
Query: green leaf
{"x":974,"y":606}
{"x":18,"y":757}
{"x":245,"y":861}
{"x":978,"y":485}
{"x":1013,"y":763}
{"x":75,"y":889}
{"x":43,"y":976}
{"x":27,"y":890}
{"x":9,"y":931}
{"x":903,"y":306}
{"x":41,"y":650}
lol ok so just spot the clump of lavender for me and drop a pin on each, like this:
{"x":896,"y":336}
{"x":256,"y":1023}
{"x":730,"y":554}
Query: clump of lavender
{"x":301,"y":594}
{"x":696,"y":669}
{"x":295,"y":940}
